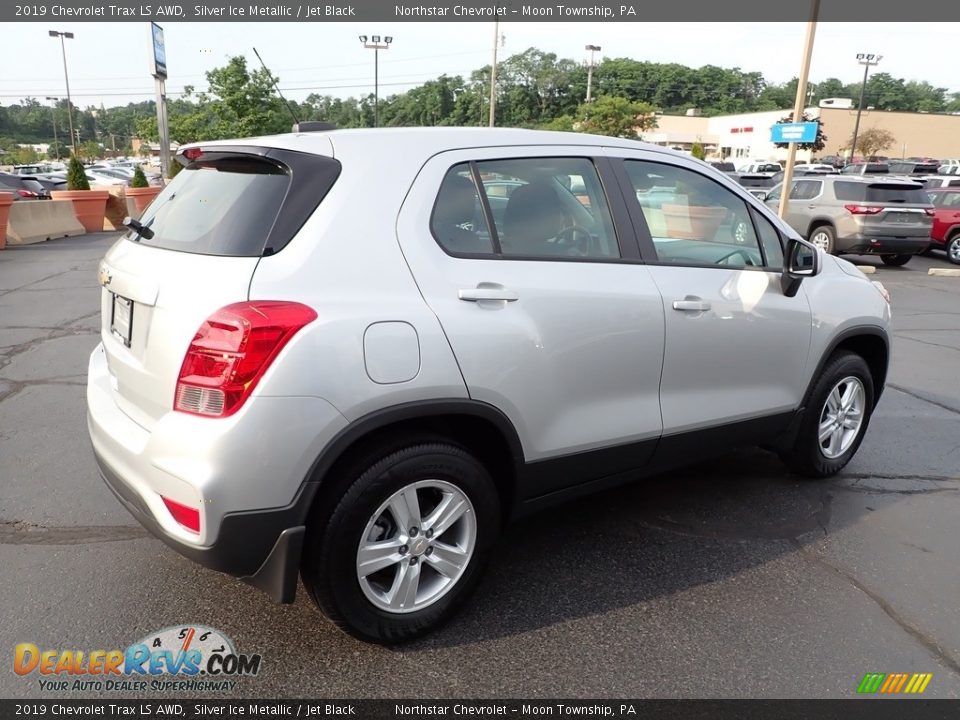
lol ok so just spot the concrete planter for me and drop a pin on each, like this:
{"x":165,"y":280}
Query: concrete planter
{"x":692,"y":222}
{"x":90,"y":206}
{"x":143,"y":196}
{"x":6,"y":200}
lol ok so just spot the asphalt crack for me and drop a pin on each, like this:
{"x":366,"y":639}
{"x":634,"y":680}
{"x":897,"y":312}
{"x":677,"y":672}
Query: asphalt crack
{"x":931,"y":645}
{"x":22,"y":532}
{"x":924,"y":398}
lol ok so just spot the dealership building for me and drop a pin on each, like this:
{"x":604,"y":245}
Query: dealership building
{"x":747,"y":136}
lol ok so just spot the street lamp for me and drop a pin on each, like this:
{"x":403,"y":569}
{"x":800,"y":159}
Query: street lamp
{"x":866,"y":60}
{"x":592,"y":49}
{"x":53,"y":114}
{"x":374,"y":43}
{"x":63,"y":47}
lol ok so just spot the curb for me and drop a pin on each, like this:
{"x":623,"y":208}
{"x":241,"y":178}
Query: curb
{"x":944,"y":272}
{"x":867,"y":269}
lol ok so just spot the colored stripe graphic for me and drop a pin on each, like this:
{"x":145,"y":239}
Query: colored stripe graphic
{"x":894,"y":683}
{"x":871,"y":682}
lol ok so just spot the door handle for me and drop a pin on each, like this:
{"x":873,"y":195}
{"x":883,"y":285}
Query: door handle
{"x":480,"y":294}
{"x":690,"y":304}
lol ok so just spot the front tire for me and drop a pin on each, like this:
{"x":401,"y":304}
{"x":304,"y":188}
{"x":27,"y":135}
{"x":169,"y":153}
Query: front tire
{"x":836,"y":418}
{"x":406,"y":544}
{"x":953,"y":248}
{"x":895,"y":260}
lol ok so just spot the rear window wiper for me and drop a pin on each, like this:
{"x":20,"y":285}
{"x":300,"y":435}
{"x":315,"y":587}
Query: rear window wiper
{"x":139,"y":228}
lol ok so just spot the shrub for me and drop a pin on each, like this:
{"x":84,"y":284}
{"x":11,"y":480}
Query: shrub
{"x":175,"y":167}
{"x":139,"y":179}
{"x":77,"y":176}
{"x":697,"y":151}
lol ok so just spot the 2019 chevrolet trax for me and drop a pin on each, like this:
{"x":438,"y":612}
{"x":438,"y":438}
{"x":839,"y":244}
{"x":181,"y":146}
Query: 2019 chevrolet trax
{"x":353,"y":355}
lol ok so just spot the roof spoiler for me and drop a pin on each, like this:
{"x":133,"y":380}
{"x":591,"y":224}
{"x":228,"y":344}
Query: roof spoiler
{"x":313,"y":126}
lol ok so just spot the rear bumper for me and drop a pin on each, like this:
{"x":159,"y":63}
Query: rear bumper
{"x":246,"y":475}
{"x":883,"y":245}
{"x":261,"y":548}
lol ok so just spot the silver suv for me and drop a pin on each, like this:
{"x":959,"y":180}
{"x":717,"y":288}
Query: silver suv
{"x":354,"y":355}
{"x":853,"y":215}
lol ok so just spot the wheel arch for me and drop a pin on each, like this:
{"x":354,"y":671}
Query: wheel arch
{"x":870,"y":342}
{"x":478,"y":427}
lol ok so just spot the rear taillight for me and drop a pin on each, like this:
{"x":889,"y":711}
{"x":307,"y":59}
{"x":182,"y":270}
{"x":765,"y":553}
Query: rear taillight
{"x":187,"y":516}
{"x":26,"y":194}
{"x":863,"y":209}
{"x":230,"y":353}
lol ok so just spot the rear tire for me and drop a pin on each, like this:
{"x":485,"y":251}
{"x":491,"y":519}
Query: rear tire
{"x":814,"y":453}
{"x":825,"y":238}
{"x":381,"y":605}
{"x":953,"y":248}
{"x":895,"y":260}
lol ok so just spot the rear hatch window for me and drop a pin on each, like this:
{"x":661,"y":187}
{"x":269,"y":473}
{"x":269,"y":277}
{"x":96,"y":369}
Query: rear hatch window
{"x":229,"y":204}
{"x":881,"y":193}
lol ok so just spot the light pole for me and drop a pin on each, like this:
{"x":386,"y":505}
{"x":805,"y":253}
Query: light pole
{"x":66,"y":77}
{"x":592,"y":49}
{"x":865,"y":60}
{"x":53,"y":115}
{"x":375,"y":45}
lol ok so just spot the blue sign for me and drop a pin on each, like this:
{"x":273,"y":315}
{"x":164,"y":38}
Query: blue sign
{"x":159,"y":64}
{"x":805,"y":132}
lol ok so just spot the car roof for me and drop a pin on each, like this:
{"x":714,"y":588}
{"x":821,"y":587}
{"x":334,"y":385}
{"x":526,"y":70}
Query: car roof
{"x":427,"y":141}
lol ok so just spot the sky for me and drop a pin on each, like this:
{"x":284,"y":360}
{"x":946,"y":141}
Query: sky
{"x":109,"y":62}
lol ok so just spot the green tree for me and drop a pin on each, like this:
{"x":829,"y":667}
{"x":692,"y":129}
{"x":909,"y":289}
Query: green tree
{"x":616,"y":116}
{"x":697,"y":151}
{"x":77,"y":176}
{"x":872,"y":140}
{"x":139,"y":178}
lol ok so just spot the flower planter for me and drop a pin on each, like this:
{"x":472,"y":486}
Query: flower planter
{"x":143,"y":196}
{"x":693,"y":222}
{"x":6,"y":200}
{"x":90,"y":206}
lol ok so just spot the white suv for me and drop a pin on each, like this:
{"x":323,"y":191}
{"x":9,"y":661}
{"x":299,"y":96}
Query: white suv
{"x":356,"y":354}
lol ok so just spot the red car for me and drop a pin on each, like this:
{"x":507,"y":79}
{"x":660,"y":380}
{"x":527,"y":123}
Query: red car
{"x":945,"y":234}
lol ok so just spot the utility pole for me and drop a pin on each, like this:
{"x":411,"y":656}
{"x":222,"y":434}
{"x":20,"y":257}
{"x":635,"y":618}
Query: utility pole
{"x":798,"y":104}
{"x":66,"y":78}
{"x":53,"y":114}
{"x":866,"y":60}
{"x":592,"y":49}
{"x":375,"y":45}
{"x":493,"y":73}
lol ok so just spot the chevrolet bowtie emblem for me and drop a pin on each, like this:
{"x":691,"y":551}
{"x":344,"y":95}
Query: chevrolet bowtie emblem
{"x":105,"y":277}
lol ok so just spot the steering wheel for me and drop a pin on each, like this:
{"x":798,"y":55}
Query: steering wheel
{"x":725,"y":260}
{"x":575,"y":238}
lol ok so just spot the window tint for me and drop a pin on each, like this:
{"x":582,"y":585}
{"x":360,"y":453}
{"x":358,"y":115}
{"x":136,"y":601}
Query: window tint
{"x":805,"y":189}
{"x":770,"y":239}
{"x":692,"y":219}
{"x":874,"y":192}
{"x":541,"y":207}
{"x":458,"y":223}
{"x":945,"y":199}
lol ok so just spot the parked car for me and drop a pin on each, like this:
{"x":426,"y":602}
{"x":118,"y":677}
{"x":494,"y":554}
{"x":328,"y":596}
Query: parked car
{"x":910,"y":169}
{"x":12,"y":189}
{"x":945,"y":234}
{"x":948,"y":170}
{"x":932,"y":182}
{"x":860,"y":216}
{"x":754,"y":168}
{"x":26,"y":187}
{"x":810,"y":168}
{"x":834,"y":160}
{"x":367,"y":396}
{"x":30,"y":169}
{"x":866,"y":168}
{"x":102,"y":176}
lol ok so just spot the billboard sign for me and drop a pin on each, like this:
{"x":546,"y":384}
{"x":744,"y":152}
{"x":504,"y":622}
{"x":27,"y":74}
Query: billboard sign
{"x":805,"y":132}
{"x":158,"y":62}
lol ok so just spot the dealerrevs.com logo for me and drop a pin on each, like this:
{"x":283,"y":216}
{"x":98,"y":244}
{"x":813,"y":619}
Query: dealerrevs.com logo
{"x":180,"y":658}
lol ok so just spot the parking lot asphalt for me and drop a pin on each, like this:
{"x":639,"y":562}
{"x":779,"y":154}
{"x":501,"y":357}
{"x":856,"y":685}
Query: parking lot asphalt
{"x":729,"y":579}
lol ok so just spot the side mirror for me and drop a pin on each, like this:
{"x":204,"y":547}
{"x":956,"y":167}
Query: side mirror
{"x":762,"y":196}
{"x":801,"y":260}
